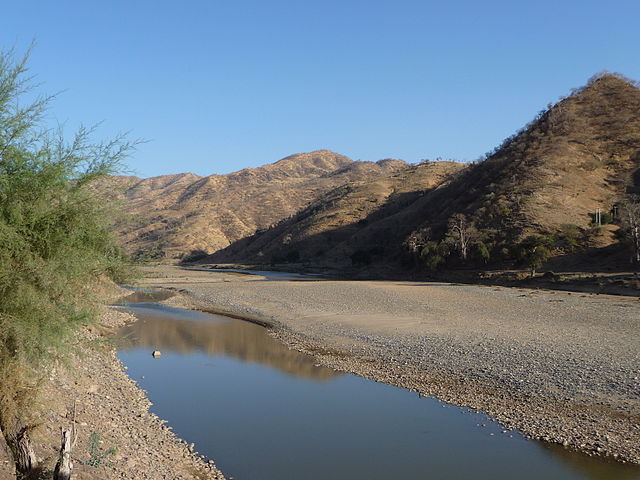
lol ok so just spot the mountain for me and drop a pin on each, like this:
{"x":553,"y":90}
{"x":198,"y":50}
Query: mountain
{"x":172,"y":215}
{"x":579,"y":155}
{"x":350,"y":218}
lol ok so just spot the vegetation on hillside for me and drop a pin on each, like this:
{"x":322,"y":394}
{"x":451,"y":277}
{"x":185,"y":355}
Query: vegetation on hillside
{"x":357,"y":224}
{"x":631,"y":226}
{"x":54,"y":246}
{"x":172,"y":215}
{"x":533,"y":198}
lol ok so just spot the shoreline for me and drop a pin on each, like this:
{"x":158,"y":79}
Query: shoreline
{"x":112,"y":417}
{"x":592,"y":423}
{"x":623,"y":283}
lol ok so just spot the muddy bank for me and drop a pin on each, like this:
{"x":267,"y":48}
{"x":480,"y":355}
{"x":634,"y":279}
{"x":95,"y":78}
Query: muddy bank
{"x":560,"y":367}
{"x":117,"y":436}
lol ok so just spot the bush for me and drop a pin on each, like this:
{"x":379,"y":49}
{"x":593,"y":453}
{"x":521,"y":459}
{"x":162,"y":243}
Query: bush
{"x":434,"y":254}
{"x":569,"y":236}
{"x":534,"y":251}
{"x":193,"y":256}
{"x":605,"y":218}
{"x":481,"y":252}
{"x":145,"y":255}
{"x":54,"y":245}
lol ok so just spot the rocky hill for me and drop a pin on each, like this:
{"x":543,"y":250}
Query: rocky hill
{"x":351,"y":218}
{"x":174,"y":215}
{"x":579,"y":155}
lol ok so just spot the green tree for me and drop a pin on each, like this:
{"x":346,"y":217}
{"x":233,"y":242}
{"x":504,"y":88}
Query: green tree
{"x":54,"y":246}
{"x":569,"y":236}
{"x":534,"y":251}
{"x":481,"y":252}
{"x":434,"y":254}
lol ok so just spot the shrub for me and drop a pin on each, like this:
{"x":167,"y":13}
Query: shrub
{"x":434,"y":254}
{"x":534,"y":251}
{"x":569,"y":236}
{"x":193,"y":256}
{"x":54,"y":244}
{"x":605,"y":218}
{"x":144,"y":255}
{"x":481,"y":252}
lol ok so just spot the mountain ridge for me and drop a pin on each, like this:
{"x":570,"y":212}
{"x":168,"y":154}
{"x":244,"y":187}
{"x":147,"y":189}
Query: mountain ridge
{"x":170,"y":216}
{"x":579,"y":155}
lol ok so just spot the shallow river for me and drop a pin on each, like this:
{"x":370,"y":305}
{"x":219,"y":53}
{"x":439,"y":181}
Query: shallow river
{"x":263,"y":412}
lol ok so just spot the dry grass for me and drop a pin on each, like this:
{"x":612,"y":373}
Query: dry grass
{"x":177,"y":214}
{"x":581,"y":154}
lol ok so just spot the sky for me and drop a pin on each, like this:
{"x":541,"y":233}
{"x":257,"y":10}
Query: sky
{"x":217,"y":86}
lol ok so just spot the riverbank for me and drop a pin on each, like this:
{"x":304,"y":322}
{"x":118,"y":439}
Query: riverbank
{"x":559,"y":366}
{"x":615,"y":282}
{"x":117,"y":437}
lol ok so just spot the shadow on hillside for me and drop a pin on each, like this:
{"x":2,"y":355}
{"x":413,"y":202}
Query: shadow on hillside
{"x":376,"y":238}
{"x":372,"y":246}
{"x":611,"y":259}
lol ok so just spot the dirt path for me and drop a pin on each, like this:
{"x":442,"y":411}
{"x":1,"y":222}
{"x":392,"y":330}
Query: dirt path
{"x":562,"y":367}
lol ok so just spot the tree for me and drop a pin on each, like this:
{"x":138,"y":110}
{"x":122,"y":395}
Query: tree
{"x":463,"y":233}
{"x":54,"y":245}
{"x":481,"y":252}
{"x":434,"y":254}
{"x":534,"y":250}
{"x":417,"y":240}
{"x":631,"y":225}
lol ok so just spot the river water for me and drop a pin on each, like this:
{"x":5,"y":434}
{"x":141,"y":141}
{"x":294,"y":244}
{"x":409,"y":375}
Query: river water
{"x":262,"y":411}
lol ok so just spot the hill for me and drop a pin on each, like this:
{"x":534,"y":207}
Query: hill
{"x":548,"y":179}
{"x":351,"y":218}
{"x":172,"y":215}
{"x":579,"y":155}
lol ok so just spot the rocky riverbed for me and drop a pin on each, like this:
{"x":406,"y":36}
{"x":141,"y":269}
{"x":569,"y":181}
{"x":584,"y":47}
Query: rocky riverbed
{"x":117,"y":437}
{"x":562,"y":367}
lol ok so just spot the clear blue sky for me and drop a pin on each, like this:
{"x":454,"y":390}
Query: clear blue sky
{"x":216,"y":86}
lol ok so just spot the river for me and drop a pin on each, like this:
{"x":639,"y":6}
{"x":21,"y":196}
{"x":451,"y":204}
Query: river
{"x":262,"y":411}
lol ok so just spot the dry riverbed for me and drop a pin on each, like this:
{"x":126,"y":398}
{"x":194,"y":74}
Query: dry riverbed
{"x":559,"y":366}
{"x":117,"y":436}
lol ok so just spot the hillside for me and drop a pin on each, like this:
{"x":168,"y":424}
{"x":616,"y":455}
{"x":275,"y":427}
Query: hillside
{"x":573,"y":158}
{"x":172,"y":215}
{"x":581,"y":154}
{"x":350,"y":218}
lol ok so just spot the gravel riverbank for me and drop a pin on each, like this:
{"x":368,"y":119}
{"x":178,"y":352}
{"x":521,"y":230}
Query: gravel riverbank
{"x":117,"y":437}
{"x":559,"y":366}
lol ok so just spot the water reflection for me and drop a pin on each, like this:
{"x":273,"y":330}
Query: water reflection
{"x":183,"y":331}
{"x":139,"y":295}
{"x":594,"y":468}
{"x":263,"y":411}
